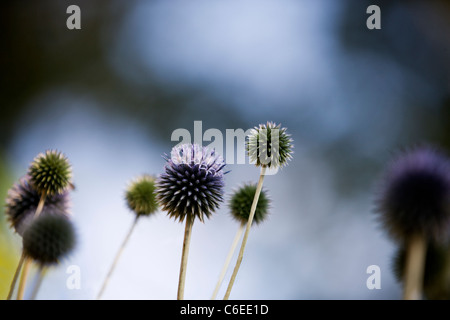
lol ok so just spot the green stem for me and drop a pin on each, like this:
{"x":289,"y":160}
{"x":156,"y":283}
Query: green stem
{"x":415,"y":264}
{"x":184,"y":256}
{"x":24,"y":262}
{"x":228,"y":259}
{"x":116,"y":259}
{"x":41,"y":274}
{"x":247,"y":231}
{"x":16,"y":276}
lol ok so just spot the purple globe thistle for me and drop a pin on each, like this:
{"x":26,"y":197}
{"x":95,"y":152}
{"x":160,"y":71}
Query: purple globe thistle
{"x":22,"y":202}
{"x":192,"y":183}
{"x":415,"y":195}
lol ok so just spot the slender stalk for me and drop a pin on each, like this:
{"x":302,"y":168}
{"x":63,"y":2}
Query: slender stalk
{"x":415,"y":265}
{"x":40,"y":205}
{"x":41,"y":274}
{"x":247,"y":231}
{"x":23,"y":278}
{"x":228,"y":259}
{"x":184,"y":256}
{"x":16,"y":276}
{"x":23,"y":260}
{"x":116,"y":259}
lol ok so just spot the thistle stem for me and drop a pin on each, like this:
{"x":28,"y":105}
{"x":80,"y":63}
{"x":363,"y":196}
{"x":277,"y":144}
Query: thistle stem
{"x":247,"y":231}
{"x":16,"y":276}
{"x":23,"y":278}
{"x":415,"y":265}
{"x":116,"y":259}
{"x":228,"y":259}
{"x":184,"y":256}
{"x":23,"y":260}
{"x":41,"y":274}
{"x":40,"y":206}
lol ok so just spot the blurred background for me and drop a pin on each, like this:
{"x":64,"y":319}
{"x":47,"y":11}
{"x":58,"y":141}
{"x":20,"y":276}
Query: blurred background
{"x":110,"y":95}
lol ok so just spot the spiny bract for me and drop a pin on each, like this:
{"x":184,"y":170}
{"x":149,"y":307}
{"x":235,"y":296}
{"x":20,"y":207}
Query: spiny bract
{"x":192,"y":183}
{"x":269,"y":146}
{"x":241,"y":203}
{"x":49,"y":239}
{"x":141,"y":197}
{"x":415,"y":195}
{"x":22,"y":202}
{"x":50,"y":173}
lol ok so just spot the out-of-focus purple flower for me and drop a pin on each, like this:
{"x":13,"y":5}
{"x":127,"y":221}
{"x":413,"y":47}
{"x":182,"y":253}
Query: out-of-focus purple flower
{"x":49,"y":239}
{"x":415,"y":195}
{"x":22,"y":202}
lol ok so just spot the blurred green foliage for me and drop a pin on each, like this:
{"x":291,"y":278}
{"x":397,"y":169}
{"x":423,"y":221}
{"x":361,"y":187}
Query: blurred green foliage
{"x":9,"y":249}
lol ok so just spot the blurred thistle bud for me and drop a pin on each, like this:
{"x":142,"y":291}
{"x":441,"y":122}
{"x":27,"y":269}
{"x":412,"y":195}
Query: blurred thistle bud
{"x":141,"y":197}
{"x":22,"y":202}
{"x":50,"y":173}
{"x":269,"y":146}
{"x":192,"y":183}
{"x":241,"y":202}
{"x":436,"y":278}
{"x":414,"y":197}
{"x":49,"y":239}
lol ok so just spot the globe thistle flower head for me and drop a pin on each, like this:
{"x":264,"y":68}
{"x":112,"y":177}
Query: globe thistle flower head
{"x":415,"y":195}
{"x":192,"y":182}
{"x":50,"y":173}
{"x":141,"y":196}
{"x":241,"y":202}
{"x":22,"y":201}
{"x":269,"y":145}
{"x":49,"y":239}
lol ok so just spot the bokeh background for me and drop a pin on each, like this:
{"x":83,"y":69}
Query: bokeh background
{"x":110,"y":95}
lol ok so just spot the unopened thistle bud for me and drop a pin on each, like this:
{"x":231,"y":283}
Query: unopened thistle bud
{"x":141,"y":197}
{"x":269,"y":146}
{"x":241,"y":203}
{"x":50,"y":173}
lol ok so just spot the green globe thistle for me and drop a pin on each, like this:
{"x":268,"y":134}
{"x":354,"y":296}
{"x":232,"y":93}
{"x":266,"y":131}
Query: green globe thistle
{"x":141,"y":197}
{"x":50,"y":173}
{"x":49,"y":239}
{"x":241,"y":202}
{"x":23,"y":200}
{"x":269,"y":146}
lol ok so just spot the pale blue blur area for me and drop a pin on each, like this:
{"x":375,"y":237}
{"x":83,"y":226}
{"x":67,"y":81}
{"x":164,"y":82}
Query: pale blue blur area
{"x":111,"y":94}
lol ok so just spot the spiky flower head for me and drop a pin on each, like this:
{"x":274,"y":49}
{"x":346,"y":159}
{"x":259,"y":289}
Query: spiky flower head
{"x":269,"y":146}
{"x":192,"y":182}
{"x":241,"y":203}
{"x":49,"y":239}
{"x":414,"y":197}
{"x":51,"y":173}
{"x":141,"y":196}
{"x":22,"y":202}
